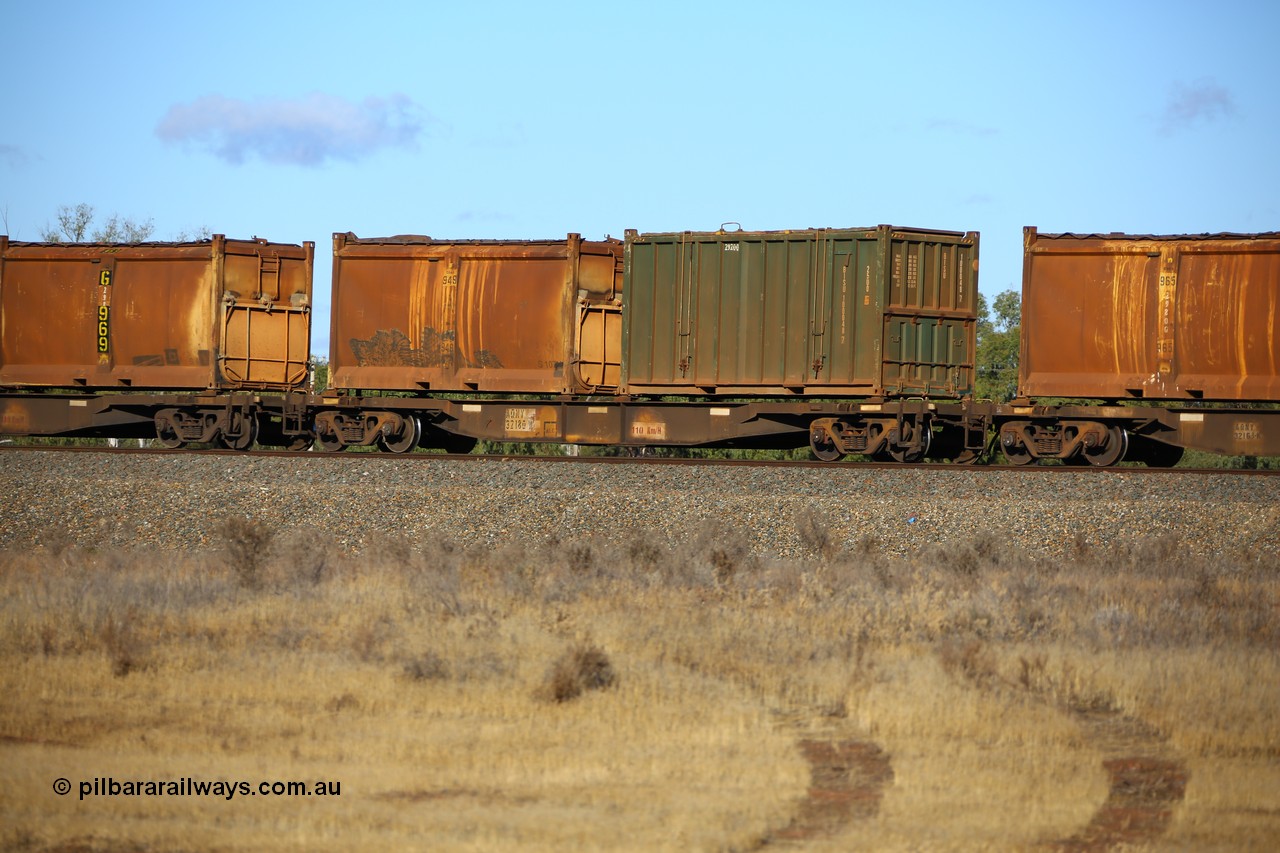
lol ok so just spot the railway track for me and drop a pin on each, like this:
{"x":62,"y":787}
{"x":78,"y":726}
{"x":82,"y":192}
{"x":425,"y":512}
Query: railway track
{"x":427,"y":458}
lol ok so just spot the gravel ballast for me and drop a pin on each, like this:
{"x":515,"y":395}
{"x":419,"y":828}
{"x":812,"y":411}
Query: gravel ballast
{"x":177,"y":501}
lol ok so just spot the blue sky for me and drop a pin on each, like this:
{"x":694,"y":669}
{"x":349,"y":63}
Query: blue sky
{"x":524,"y":120}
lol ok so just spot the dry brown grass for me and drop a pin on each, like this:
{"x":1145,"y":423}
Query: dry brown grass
{"x":624,"y":695}
{"x":583,"y":667}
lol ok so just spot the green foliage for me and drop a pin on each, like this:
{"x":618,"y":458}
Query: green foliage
{"x":798,"y":453}
{"x":999,"y":344}
{"x":1201,"y":459}
{"x":519,"y":448}
{"x":319,"y":375}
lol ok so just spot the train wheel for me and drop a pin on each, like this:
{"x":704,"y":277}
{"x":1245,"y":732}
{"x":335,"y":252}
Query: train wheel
{"x":300,"y":442}
{"x":405,"y":440}
{"x":824,"y":449}
{"x":900,"y":454}
{"x":1112,"y":451}
{"x":1017,"y":455}
{"x":830,"y":453}
{"x":329,"y":443}
{"x":1012,"y":446}
{"x":244,"y":439}
{"x":167,"y":434}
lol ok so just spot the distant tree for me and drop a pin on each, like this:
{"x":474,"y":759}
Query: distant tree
{"x":118,"y":230}
{"x":999,"y":345}
{"x":319,"y":374}
{"x":201,"y":233}
{"x":73,"y":226}
{"x":73,"y":222}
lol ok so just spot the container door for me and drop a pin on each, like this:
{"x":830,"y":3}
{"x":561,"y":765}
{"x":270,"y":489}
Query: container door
{"x":928,"y":323}
{"x":818,"y":355}
{"x":265,"y":324}
{"x":598,"y":359}
{"x":599,"y":346}
{"x":264,"y":346}
{"x":849,"y":302}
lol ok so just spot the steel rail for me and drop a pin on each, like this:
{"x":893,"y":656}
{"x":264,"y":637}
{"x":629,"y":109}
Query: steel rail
{"x":424,"y":458}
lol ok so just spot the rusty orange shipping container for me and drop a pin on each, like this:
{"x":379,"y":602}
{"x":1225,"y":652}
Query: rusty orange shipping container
{"x":415,"y":314}
{"x":211,"y":314}
{"x":1120,"y":316}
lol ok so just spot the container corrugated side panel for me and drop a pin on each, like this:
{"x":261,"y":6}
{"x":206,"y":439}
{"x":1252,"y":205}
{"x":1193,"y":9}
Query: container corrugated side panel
{"x":725,"y":312}
{"x":155,"y":315}
{"x":1089,"y":313}
{"x":653,"y":337}
{"x":103,"y":316}
{"x":1151,"y":317}
{"x":417,"y":314}
{"x":753,"y":294}
{"x":1227,"y":334}
{"x":43,"y":338}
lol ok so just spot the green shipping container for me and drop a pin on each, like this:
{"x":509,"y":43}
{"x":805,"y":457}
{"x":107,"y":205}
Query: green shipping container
{"x":872,"y":312}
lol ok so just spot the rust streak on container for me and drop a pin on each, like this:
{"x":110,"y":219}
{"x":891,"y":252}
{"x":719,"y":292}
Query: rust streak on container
{"x":416,"y":314}
{"x":1119,"y":316}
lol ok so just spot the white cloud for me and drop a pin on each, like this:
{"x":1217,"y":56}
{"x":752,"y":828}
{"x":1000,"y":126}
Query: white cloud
{"x":1203,"y":100}
{"x":13,"y":156}
{"x":304,"y":131}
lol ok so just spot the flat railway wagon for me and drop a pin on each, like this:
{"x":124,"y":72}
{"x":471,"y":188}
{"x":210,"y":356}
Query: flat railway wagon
{"x":1116,"y":321}
{"x":845,"y":339}
{"x":848,"y":340}
{"x":220,"y":327}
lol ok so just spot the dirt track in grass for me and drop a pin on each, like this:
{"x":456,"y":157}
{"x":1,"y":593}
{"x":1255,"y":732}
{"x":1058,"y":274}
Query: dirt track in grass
{"x":849,"y":777}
